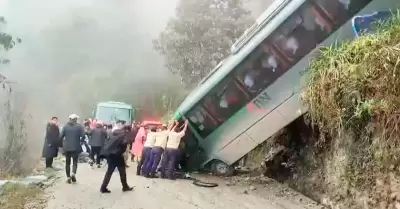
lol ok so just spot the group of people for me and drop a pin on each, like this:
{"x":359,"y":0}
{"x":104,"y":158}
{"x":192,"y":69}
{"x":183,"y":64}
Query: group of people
{"x":103,"y":144}
{"x":162,"y":143}
{"x":114,"y":143}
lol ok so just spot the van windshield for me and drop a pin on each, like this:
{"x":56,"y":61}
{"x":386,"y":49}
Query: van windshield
{"x":111,"y":115}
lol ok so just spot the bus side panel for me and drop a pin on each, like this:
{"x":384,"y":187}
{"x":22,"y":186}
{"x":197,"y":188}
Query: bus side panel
{"x":266,"y":127}
{"x":236,"y":149}
{"x":291,"y":109}
{"x":229,"y":131}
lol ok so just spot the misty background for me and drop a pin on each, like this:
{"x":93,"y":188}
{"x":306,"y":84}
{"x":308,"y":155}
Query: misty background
{"x":75,"y":53}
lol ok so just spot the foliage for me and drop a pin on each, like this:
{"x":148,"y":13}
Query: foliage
{"x":14,"y":146}
{"x":353,"y":96}
{"x":19,"y":196}
{"x":357,"y":82}
{"x":13,"y":137}
{"x":7,"y":42}
{"x":200,"y":36}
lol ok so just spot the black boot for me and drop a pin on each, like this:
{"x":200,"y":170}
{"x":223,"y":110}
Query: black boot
{"x":105,"y":190}
{"x":127,"y":189}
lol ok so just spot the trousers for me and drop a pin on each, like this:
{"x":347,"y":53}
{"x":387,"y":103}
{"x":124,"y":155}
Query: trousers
{"x":155,"y":158}
{"x":169,"y":162}
{"x":144,"y":161}
{"x":95,"y":152}
{"x":49,"y":162}
{"x":68,"y":156}
{"x":115,"y":161}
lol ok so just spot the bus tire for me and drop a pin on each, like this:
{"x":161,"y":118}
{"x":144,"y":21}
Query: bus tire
{"x":220,"y":168}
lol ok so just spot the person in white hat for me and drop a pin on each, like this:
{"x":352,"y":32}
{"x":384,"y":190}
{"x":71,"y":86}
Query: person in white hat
{"x":71,"y":135}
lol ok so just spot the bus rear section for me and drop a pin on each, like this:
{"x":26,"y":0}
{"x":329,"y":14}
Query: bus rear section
{"x":261,"y":92}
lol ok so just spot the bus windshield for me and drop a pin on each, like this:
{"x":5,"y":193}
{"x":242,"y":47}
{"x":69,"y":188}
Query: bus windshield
{"x":110,"y":114}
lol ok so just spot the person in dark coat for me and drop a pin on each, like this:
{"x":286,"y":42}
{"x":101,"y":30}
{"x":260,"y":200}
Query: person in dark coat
{"x":113,"y":151}
{"x":88,"y":133}
{"x":109,"y":130}
{"x":51,"y":142}
{"x":72,"y":135}
{"x":96,"y":141}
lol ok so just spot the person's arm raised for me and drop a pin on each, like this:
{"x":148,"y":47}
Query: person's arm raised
{"x":182,"y":133}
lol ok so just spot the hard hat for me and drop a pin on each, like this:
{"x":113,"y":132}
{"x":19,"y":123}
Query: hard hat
{"x":73,"y":116}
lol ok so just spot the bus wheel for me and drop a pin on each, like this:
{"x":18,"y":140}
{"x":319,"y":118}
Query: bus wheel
{"x":220,"y":168}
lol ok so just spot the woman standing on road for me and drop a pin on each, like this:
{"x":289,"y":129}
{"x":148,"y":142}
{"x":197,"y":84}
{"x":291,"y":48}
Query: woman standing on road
{"x":138,"y":144}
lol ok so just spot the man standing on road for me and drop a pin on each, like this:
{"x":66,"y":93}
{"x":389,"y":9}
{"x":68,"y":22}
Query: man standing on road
{"x":71,"y":136}
{"x":128,"y":139}
{"x":52,"y":142}
{"x":113,"y":150}
{"x":172,"y":152}
{"x":160,"y":143}
{"x":96,"y":141}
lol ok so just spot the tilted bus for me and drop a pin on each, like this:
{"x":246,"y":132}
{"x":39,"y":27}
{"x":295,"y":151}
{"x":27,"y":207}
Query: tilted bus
{"x":255,"y":91}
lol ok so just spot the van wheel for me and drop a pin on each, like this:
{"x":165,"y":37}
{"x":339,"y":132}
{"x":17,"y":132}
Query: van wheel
{"x":220,"y":168}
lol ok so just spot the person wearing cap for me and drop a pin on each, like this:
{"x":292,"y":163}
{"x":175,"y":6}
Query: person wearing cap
{"x":96,"y":141}
{"x":172,"y":151}
{"x":71,"y":135}
{"x":160,"y":144}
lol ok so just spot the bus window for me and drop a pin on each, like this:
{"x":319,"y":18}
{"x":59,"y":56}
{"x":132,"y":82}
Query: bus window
{"x":301,"y":33}
{"x":262,"y":68}
{"x":202,"y":121}
{"x":227,"y":98}
{"x":339,"y":11}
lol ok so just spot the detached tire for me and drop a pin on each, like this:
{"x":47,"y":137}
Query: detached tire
{"x":204,"y":184}
{"x":220,"y":168}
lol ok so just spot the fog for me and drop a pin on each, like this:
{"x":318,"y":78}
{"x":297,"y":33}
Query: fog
{"x":72,"y":49}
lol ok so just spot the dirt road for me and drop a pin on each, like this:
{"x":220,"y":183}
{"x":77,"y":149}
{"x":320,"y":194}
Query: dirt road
{"x":163,"y":194}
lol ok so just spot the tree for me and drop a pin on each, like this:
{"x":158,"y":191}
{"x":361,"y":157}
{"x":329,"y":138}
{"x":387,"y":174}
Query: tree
{"x":200,"y":36}
{"x":7,"y":42}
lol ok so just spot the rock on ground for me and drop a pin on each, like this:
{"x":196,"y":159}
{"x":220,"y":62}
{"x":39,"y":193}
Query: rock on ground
{"x":164,"y":194}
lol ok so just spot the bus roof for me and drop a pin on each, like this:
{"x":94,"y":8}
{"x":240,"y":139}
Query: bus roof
{"x":115,"y":105}
{"x":275,"y":14}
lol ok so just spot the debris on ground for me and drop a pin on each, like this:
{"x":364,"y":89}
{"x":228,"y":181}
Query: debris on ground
{"x":20,"y":196}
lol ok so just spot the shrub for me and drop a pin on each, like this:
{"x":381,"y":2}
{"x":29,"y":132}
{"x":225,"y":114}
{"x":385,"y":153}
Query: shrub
{"x":354,"y":88}
{"x":13,"y":138}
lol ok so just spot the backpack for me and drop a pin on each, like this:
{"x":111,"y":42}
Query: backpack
{"x":112,"y":146}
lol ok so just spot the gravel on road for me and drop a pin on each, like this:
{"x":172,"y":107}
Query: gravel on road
{"x":165,"y":194}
